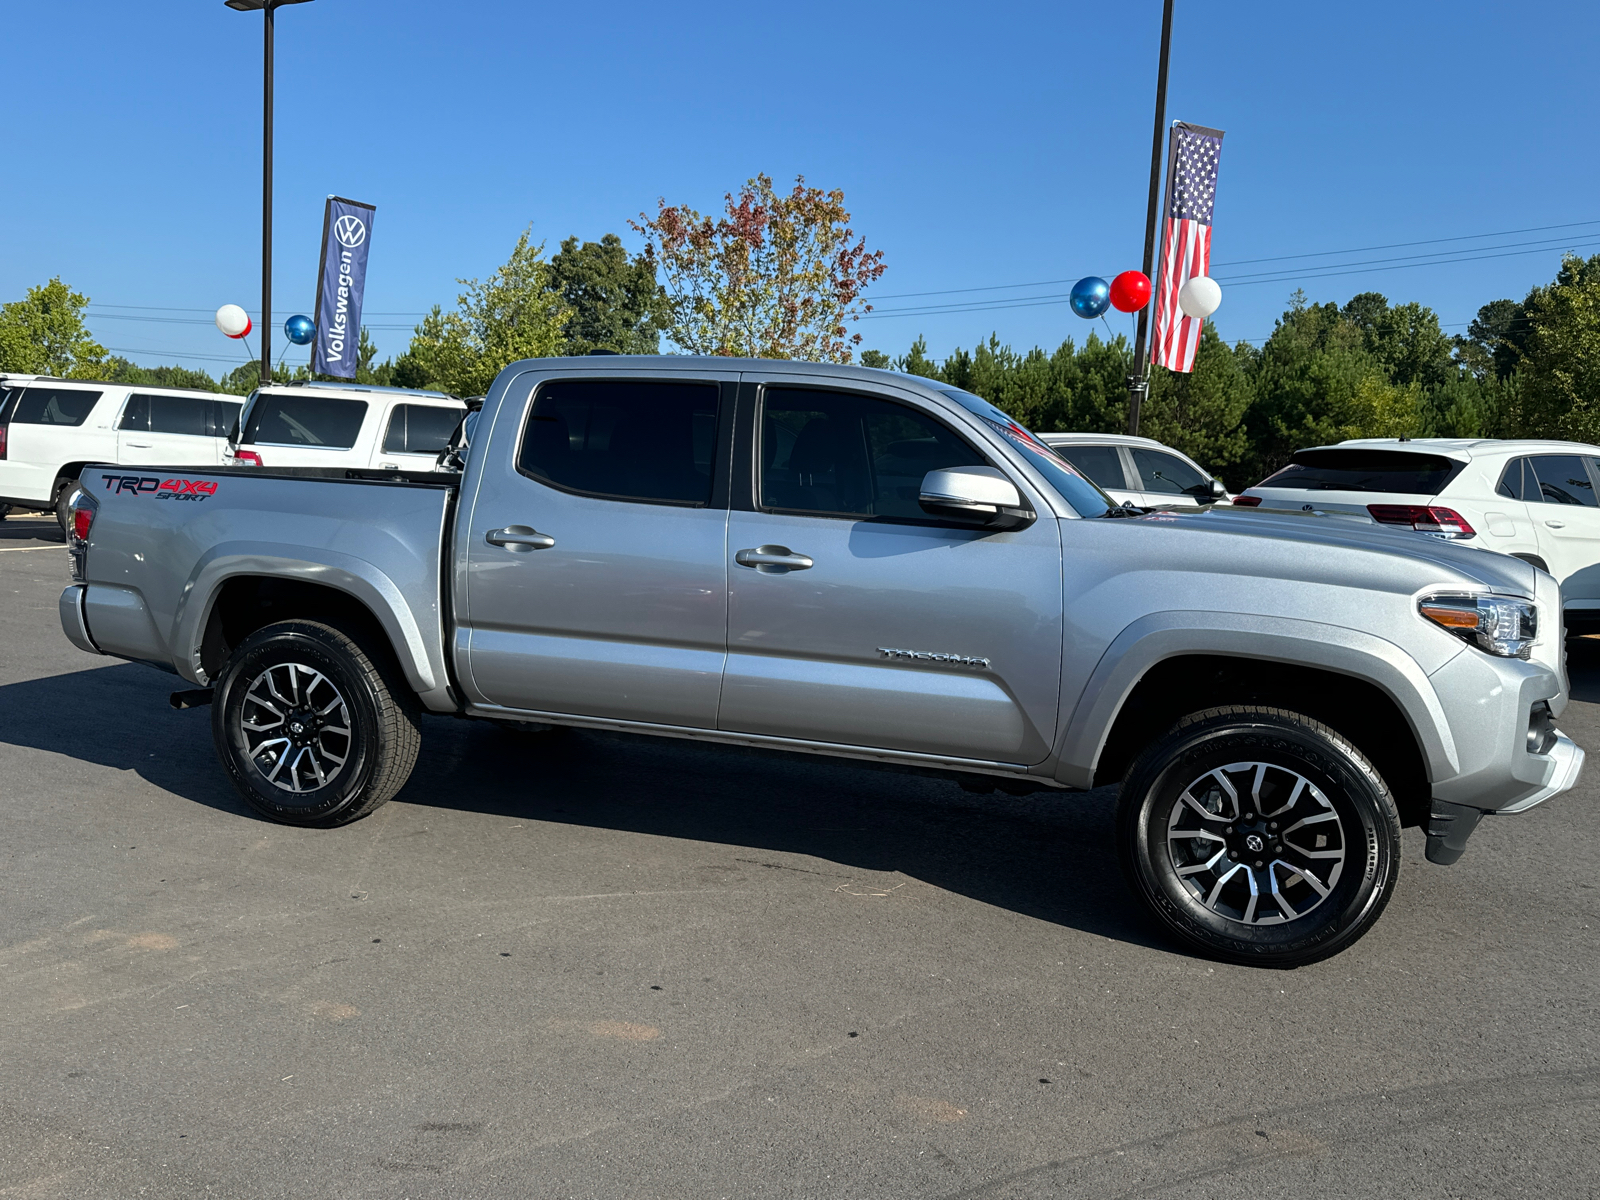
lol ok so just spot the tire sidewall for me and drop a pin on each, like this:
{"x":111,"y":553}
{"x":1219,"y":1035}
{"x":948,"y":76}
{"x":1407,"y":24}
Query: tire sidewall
{"x":317,"y":647}
{"x":1354,"y":789}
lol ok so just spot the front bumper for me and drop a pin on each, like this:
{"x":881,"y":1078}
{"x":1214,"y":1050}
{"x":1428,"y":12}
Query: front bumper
{"x":1450,"y":825}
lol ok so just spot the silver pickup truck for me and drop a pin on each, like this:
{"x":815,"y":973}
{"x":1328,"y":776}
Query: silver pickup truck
{"x":847,"y":561}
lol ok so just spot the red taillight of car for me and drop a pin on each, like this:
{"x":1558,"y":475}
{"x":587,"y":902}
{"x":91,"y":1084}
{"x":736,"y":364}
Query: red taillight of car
{"x":1424,"y":518}
{"x":82,"y":519}
{"x":2,"y":441}
{"x":1247,"y":501}
{"x":248,"y":456}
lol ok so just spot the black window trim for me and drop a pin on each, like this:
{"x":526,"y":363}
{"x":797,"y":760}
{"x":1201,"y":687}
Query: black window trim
{"x":759,"y":408}
{"x":727,"y":391}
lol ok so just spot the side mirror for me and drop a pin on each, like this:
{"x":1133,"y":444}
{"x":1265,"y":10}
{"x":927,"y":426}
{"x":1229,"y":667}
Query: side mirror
{"x":1217,"y":492}
{"x":980,"y":494}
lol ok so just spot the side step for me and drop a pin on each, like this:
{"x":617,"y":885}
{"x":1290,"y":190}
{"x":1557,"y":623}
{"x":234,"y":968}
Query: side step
{"x":197,"y":698}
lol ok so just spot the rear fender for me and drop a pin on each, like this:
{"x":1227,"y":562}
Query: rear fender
{"x":416,"y":639}
{"x":1163,"y":635}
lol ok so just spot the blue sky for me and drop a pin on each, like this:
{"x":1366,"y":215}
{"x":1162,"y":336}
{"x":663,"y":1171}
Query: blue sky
{"x":977,"y":145}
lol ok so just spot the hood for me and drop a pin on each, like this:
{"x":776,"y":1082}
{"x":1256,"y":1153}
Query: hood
{"x":1322,"y":548}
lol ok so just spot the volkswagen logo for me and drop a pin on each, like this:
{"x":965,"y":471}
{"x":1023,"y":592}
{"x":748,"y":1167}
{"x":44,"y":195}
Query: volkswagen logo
{"x":1255,"y":844}
{"x":351,"y":231}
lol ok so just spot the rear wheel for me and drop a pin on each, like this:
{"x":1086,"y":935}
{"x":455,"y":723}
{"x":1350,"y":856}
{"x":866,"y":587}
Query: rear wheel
{"x":311,"y":728}
{"x":1259,"y":836}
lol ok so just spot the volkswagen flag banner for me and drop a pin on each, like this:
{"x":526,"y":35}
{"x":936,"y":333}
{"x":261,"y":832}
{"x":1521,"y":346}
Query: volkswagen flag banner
{"x":341,"y":280}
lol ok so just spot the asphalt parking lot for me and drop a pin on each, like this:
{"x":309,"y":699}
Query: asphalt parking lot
{"x":580,"y":965}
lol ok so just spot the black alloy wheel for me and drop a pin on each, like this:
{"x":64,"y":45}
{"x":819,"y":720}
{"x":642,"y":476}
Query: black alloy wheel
{"x":312,"y":729}
{"x":1259,"y":836}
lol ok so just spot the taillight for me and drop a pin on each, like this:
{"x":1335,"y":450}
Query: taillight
{"x":82,"y":518}
{"x":2,"y":441}
{"x":1424,"y":518}
{"x":1247,"y":501}
{"x":81,"y":510}
{"x":248,"y":456}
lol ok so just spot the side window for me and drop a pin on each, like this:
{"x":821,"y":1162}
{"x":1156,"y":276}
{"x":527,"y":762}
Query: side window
{"x":1166,"y":474}
{"x":136,"y":414}
{"x":420,"y":429}
{"x":623,"y":440}
{"x":54,"y":406}
{"x":224,"y":416}
{"x":1564,"y":479}
{"x":188,"y":415}
{"x":1102,"y":464}
{"x":846,"y":455}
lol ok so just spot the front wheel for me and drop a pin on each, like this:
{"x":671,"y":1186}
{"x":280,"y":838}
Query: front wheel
{"x":311,"y":729}
{"x":1259,"y":836}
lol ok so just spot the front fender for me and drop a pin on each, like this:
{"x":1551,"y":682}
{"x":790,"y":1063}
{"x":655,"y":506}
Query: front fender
{"x":416,"y":643}
{"x":1162,"y":635}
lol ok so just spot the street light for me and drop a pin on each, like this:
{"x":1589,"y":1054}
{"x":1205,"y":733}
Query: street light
{"x":266,"y":7}
{"x":1139,"y":381}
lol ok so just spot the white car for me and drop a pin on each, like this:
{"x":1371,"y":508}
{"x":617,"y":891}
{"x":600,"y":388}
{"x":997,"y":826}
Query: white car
{"x":1138,"y":470}
{"x":50,"y":429}
{"x":1534,"y":500}
{"x":344,"y":425}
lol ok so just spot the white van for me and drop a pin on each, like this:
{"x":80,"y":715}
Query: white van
{"x":50,"y":429}
{"x":344,"y":425}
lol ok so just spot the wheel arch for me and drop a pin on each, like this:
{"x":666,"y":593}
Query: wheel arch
{"x":1169,"y":664}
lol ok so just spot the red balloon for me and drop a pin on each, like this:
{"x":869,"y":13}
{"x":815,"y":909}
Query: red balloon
{"x":1130,"y":291}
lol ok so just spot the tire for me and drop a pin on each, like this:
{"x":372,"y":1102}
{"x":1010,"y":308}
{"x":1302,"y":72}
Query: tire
{"x":59,"y":503}
{"x":1332,"y":815}
{"x":326,"y":774}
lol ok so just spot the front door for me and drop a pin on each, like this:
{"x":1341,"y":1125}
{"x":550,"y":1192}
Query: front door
{"x":854,"y":617}
{"x":1568,"y":524}
{"x":596,"y":581}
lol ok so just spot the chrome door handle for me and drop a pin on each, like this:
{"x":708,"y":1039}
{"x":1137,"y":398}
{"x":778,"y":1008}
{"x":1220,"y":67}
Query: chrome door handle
{"x":773,"y":560}
{"x":1556,"y":524}
{"x":519,"y":539}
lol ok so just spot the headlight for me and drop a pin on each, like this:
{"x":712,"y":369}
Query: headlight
{"x":1503,"y":625}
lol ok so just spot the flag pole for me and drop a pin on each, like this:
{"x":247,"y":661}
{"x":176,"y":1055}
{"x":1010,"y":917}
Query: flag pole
{"x":1139,"y":381}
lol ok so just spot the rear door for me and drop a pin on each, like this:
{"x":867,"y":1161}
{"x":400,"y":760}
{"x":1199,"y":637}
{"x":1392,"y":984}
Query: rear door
{"x":891,"y":629}
{"x":50,"y":427}
{"x":1567,"y":520}
{"x":596,"y":565}
{"x":158,"y":430}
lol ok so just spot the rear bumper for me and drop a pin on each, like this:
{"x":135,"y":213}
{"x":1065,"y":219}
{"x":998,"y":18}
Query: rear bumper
{"x":74,"y":623}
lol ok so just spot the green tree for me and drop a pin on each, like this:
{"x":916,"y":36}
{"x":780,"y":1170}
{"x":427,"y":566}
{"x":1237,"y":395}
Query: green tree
{"x":45,"y":334}
{"x":1559,"y":360}
{"x":916,"y":361}
{"x":121,"y":370}
{"x":1494,"y":341}
{"x":877,"y":358}
{"x":615,"y":300}
{"x":1203,"y":412}
{"x":1405,"y":339}
{"x":780,"y":276}
{"x":516,"y":313}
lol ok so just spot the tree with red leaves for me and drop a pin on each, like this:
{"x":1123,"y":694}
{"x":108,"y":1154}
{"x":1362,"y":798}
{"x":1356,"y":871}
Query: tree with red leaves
{"x":777,"y":277}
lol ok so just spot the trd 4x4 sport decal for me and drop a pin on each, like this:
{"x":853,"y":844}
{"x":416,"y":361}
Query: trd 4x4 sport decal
{"x":161,"y":489}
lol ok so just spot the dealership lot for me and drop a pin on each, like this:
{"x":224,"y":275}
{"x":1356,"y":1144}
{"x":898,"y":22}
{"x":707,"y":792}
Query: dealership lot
{"x":586,"y":965}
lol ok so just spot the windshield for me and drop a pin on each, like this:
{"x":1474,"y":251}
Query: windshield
{"x":1361,"y":470}
{"x":1086,"y":499}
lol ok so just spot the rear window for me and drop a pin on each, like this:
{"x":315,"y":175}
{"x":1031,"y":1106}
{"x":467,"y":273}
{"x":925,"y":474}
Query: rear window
{"x":420,"y":429}
{"x":1401,"y":471}
{"x":53,"y":406}
{"x":319,"y":421}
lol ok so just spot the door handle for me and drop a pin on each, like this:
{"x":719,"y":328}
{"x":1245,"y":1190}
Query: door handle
{"x":519,"y":539}
{"x":773,"y":560}
{"x":140,"y":445}
{"x":1556,"y":524}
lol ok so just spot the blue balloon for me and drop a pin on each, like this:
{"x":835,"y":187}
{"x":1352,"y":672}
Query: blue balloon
{"x":300,"y":330}
{"x":1091,"y":297}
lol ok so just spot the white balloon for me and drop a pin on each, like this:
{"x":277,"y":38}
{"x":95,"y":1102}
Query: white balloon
{"x":233,"y":320}
{"x":1199,"y":297}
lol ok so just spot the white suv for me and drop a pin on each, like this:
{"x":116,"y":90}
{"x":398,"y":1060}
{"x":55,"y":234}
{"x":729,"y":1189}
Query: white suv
{"x":344,"y":425}
{"x":1138,"y":470}
{"x":50,"y":429}
{"x":1534,"y":500}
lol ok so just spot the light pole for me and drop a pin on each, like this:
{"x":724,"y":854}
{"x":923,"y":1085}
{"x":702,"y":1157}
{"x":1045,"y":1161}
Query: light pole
{"x":266,"y":8}
{"x":1139,"y":381}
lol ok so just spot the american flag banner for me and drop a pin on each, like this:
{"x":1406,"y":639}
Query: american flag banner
{"x":1192,"y":154}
